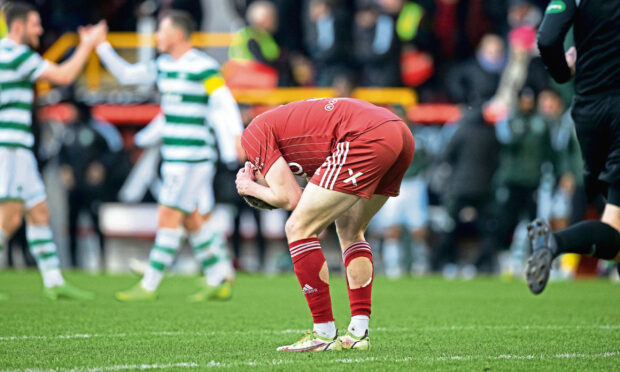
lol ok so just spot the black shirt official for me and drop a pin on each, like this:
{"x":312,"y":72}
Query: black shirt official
{"x":596,"y":109}
{"x":597,"y":39}
{"x":595,"y":64}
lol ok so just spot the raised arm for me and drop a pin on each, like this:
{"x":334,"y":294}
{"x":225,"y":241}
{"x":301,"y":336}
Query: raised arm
{"x":226,"y":120}
{"x":65,"y":73}
{"x":125,"y":72}
{"x":279,"y":187}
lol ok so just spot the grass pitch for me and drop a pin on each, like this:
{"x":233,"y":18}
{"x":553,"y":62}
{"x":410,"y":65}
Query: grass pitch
{"x":417,"y":324}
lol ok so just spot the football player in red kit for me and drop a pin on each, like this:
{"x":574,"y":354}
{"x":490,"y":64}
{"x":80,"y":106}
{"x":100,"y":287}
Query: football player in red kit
{"x":353,"y":155}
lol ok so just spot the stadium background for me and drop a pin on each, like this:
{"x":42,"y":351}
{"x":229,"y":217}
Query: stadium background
{"x":439,"y":64}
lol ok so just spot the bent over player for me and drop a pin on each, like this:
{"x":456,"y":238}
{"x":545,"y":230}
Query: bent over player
{"x":21,"y":187}
{"x":197,"y":106}
{"x":354,"y":156}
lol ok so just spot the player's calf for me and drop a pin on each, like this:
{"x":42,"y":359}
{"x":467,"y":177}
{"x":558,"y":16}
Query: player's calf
{"x":358,"y":263}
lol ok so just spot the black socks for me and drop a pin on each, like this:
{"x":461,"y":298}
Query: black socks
{"x":594,"y":238}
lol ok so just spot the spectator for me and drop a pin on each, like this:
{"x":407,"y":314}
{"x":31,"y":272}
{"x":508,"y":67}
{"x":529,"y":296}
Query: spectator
{"x":526,"y":155}
{"x":344,"y":85}
{"x":564,"y":138}
{"x":523,"y":13}
{"x":469,"y":156}
{"x":87,"y":156}
{"x":475,"y":81}
{"x":327,"y":40}
{"x":288,"y":33}
{"x":413,"y":22}
{"x":256,"y":42}
{"x":376,"y":47}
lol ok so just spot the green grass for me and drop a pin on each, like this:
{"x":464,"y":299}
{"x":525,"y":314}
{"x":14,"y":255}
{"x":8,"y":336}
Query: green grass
{"x":417,"y":324}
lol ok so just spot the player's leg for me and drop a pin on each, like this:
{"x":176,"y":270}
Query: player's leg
{"x":43,"y":248}
{"x":598,"y":131}
{"x":208,"y":241}
{"x":172,"y":209}
{"x":29,"y":185}
{"x":317,"y":208}
{"x":11,"y":200}
{"x":359,"y":268}
{"x":211,"y":252}
{"x":10,"y":220}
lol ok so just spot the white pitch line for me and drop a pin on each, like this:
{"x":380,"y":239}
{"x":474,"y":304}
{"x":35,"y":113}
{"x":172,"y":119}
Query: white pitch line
{"x":314,"y":361}
{"x":122,"y":367}
{"x":604,"y":327}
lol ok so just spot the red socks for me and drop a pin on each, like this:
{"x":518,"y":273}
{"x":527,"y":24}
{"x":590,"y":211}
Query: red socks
{"x":308,"y":260}
{"x":359,"y":299}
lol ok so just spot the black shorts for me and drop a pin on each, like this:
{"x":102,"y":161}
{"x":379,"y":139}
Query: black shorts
{"x":597,"y":121}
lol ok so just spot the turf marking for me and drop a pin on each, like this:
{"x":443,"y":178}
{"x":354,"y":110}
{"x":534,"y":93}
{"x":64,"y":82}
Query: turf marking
{"x":122,"y":367}
{"x":604,"y":327}
{"x":277,"y":362}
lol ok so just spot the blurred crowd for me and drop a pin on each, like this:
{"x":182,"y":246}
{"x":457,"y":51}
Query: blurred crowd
{"x":511,"y":157}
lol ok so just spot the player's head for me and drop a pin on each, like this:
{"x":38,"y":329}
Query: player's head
{"x":176,"y":27}
{"x":24,"y":22}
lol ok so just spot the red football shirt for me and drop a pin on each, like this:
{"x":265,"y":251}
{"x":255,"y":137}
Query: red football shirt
{"x":306,"y":132}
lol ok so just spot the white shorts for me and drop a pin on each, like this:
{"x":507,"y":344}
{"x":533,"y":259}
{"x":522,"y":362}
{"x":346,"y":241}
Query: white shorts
{"x":409,"y":209}
{"x":187,"y":186}
{"x":20,"y":180}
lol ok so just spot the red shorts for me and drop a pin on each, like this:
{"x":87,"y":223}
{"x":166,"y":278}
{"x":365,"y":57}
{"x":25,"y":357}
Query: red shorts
{"x":372,"y":163}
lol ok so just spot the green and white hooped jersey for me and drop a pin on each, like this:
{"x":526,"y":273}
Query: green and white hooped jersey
{"x":185,"y":85}
{"x":20,"y":67}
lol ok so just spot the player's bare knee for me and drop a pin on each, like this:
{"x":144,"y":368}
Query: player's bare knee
{"x":192,"y":222}
{"x":169,"y":217}
{"x":38,"y":215}
{"x":296,"y":229}
{"x":11,"y":224}
{"x":359,"y":272}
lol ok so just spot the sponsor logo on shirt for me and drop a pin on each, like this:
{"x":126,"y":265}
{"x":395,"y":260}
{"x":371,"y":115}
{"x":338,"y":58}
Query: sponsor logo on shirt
{"x":331,"y":104}
{"x":297,"y":169}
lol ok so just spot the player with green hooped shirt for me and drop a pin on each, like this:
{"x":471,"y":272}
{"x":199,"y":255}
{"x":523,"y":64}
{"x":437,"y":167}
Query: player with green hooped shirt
{"x":197,"y":108}
{"x":22,"y":191}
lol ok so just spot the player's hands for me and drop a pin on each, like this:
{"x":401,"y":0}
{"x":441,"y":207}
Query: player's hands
{"x":245,"y":179}
{"x":571,"y":60}
{"x":93,"y":35}
{"x":100,"y":32}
